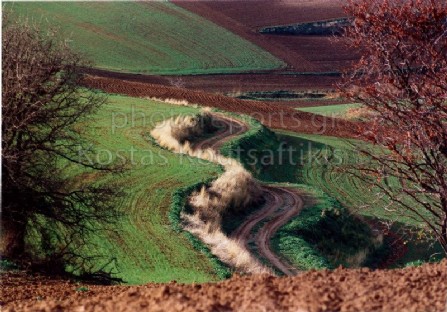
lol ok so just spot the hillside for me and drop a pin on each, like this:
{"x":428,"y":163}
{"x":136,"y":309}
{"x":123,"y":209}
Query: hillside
{"x":148,"y":37}
{"x":219,"y":156}
{"x":144,"y":245}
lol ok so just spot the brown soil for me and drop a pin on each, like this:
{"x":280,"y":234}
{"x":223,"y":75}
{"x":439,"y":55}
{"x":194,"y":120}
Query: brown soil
{"x":411,"y":289}
{"x":301,"y":53}
{"x":271,"y":114}
{"x":231,"y":83}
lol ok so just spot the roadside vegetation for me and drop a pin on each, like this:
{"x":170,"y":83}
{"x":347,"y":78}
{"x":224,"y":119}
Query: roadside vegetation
{"x":326,"y":233}
{"x":233,"y":191}
{"x":150,"y":37}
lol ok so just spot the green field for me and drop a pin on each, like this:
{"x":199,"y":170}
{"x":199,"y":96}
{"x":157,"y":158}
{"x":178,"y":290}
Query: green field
{"x":319,"y":161}
{"x":316,"y":163}
{"x":325,"y":234}
{"x":148,"y":37}
{"x":330,"y":110}
{"x":145,"y":245}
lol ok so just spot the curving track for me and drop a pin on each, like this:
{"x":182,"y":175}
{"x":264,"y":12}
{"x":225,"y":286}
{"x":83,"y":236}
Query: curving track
{"x":281,"y":204}
{"x":228,"y":129}
{"x":290,"y":205}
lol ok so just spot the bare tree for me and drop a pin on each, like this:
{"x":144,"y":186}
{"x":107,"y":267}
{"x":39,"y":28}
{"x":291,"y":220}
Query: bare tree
{"x":402,"y":79}
{"x":41,"y":105}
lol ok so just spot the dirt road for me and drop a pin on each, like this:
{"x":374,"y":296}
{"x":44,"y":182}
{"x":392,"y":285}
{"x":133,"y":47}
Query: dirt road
{"x":228,"y":129}
{"x":281,"y":204}
{"x":291,"y":205}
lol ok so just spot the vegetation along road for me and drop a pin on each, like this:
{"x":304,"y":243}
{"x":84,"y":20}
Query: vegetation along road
{"x":281,"y":204}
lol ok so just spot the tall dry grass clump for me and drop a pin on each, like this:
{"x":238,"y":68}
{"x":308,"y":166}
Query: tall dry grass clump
{"x":359,"y":114}
{"x":228,"y":250}
{"x":172,"y":101}
{"x":233,"y":191}
{"x":176,"y":133}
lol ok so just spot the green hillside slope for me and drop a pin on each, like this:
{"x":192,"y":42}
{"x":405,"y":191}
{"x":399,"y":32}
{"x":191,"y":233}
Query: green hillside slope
{"x":144,"y":244}
{"x":148,"y":37}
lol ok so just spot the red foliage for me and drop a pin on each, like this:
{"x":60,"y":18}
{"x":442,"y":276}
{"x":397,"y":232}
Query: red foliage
{"x":402,"y":77}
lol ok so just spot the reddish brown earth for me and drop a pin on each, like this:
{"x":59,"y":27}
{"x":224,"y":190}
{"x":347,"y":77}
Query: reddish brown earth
{"x":271,"y":114}
{"x":231,"y":83}
{"x":301,"y":53}
{"x":411,"y":289}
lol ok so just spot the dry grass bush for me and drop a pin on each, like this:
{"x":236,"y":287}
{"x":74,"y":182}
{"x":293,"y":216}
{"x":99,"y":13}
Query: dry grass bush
{"x":182,"y":129}
{"x":356,"y":260}
{"x":172,"y":101}
{"x":234,"y":190}
{"x":229,"y":251}
{"x":359,"y":113}
{"x":186,"y":128}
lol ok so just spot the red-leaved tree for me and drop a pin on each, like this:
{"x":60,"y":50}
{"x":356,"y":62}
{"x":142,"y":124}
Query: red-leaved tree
{"x":402,"y":79}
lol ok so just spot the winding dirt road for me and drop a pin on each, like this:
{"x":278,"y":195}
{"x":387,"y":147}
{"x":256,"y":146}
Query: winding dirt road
{"x":281,"y":204}
{"x":227,"y":129}
{"x":291,"y":205}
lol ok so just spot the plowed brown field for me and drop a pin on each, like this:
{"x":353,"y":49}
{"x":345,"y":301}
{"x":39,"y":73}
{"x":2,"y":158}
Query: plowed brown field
{"x":231,"y":82}
{"x":301,"y":53}
{"x":273,"y":115}
{"x":411,"y":289}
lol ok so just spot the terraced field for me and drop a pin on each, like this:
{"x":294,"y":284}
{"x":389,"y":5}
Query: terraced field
{"x":148,"y":37}
{"x":145,"y":245}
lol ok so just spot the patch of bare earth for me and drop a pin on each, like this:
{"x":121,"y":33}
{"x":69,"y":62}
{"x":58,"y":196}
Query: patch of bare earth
{"x":421,"y":288}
